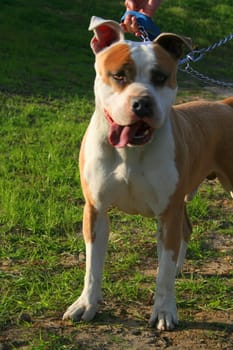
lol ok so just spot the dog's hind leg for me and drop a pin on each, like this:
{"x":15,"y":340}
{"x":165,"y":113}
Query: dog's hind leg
{"x":226,"y":182}
{"x":187,"y":230}
{"x":181,"y":257}
{"x":95,"y":230}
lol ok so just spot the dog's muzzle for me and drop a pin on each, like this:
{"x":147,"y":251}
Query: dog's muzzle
{"x":136,"y":134}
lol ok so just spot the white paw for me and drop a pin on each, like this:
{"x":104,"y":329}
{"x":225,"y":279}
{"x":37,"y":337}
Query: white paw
{"x":81,"y":309}
{"x":164,"y":319}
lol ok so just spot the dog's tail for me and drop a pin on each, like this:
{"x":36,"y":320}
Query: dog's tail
{"x":228,"y":101}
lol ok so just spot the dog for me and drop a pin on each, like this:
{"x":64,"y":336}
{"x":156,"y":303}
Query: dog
{"x":143,"y":155}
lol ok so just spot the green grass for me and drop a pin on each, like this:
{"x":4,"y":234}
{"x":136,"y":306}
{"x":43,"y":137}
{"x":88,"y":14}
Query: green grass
{"x":46,"y":100}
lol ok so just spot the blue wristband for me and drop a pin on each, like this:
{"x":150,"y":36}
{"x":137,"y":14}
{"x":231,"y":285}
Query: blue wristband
{"x":145,"y":22}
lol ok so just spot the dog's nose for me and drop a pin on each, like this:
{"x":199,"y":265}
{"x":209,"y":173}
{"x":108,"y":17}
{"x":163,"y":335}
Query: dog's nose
{"x":142,"y":106}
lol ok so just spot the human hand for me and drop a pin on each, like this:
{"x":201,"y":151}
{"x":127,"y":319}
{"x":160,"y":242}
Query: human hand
{"x":130,"y":25}
{"x":146,"y":7}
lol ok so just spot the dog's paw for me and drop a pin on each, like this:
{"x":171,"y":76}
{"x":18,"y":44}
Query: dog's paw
{"x":81,"y":309}
{"x":164,"y":320}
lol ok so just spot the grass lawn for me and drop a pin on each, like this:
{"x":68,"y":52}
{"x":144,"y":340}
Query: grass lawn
{"x":46,"y":100}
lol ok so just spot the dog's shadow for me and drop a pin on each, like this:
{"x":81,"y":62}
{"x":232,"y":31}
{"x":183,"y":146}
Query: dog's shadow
{"x":131,"y":324}
{"x":206,"y":325}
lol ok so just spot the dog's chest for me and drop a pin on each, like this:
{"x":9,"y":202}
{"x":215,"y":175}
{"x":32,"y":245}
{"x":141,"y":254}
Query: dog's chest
{"x":135,"y":180}
{"x":134,"y":189}
{"x":145,"y":185}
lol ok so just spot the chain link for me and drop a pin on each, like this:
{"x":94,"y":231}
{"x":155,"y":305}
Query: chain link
{"x":197,"y":55}
{"x":217,"y":44}
{"x":194,"y":73}
{"x":143,"y":34}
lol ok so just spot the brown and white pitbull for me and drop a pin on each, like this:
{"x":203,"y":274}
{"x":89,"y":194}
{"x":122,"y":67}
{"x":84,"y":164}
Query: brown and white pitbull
{"x":143,"y":156}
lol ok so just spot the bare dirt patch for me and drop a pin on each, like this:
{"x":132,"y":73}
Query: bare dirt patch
{"x":212,"y":330}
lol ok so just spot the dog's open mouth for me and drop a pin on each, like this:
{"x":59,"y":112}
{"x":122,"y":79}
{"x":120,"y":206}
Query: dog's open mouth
{"x":135,"y":134}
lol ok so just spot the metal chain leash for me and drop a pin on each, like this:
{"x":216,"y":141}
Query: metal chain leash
{"x":194,"y":73}
{"x":144,"y":35}
{"x":196,"y":55}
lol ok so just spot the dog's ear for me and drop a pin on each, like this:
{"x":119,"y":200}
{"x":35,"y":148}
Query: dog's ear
{"x":174,"y":43}
{"x":106,"y":32}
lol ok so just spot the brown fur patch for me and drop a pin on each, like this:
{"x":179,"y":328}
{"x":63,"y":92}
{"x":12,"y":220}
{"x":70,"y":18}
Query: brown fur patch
{"x":115,"y":60}
{"x":229,"y":101}
{"x":90,"y":213}
{"x":166,"y":64}
{"x":176,"y":222}
{"x":204,"y":145}
{"x":205,"y":128}
{"x":89,"y":219}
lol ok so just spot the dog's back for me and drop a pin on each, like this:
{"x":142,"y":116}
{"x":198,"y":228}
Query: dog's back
{"x":229,"y":101}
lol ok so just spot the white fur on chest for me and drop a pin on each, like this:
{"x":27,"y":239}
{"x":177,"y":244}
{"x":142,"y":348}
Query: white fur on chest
{"x":137,"y":180}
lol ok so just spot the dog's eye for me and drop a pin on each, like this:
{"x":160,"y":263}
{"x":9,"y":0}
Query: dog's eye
{"x":120,"y":76}
{"x":158,"y":77}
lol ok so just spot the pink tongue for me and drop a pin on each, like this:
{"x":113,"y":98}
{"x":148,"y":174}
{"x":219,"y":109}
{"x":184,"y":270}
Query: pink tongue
{"x":120,"y":136}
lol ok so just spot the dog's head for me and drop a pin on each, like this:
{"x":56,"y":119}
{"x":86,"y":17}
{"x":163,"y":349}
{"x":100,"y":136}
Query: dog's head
{"x":135,"y":82}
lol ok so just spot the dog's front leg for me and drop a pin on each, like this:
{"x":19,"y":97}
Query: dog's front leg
{"x":164,"y":313}
{"x":95,"y":230}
